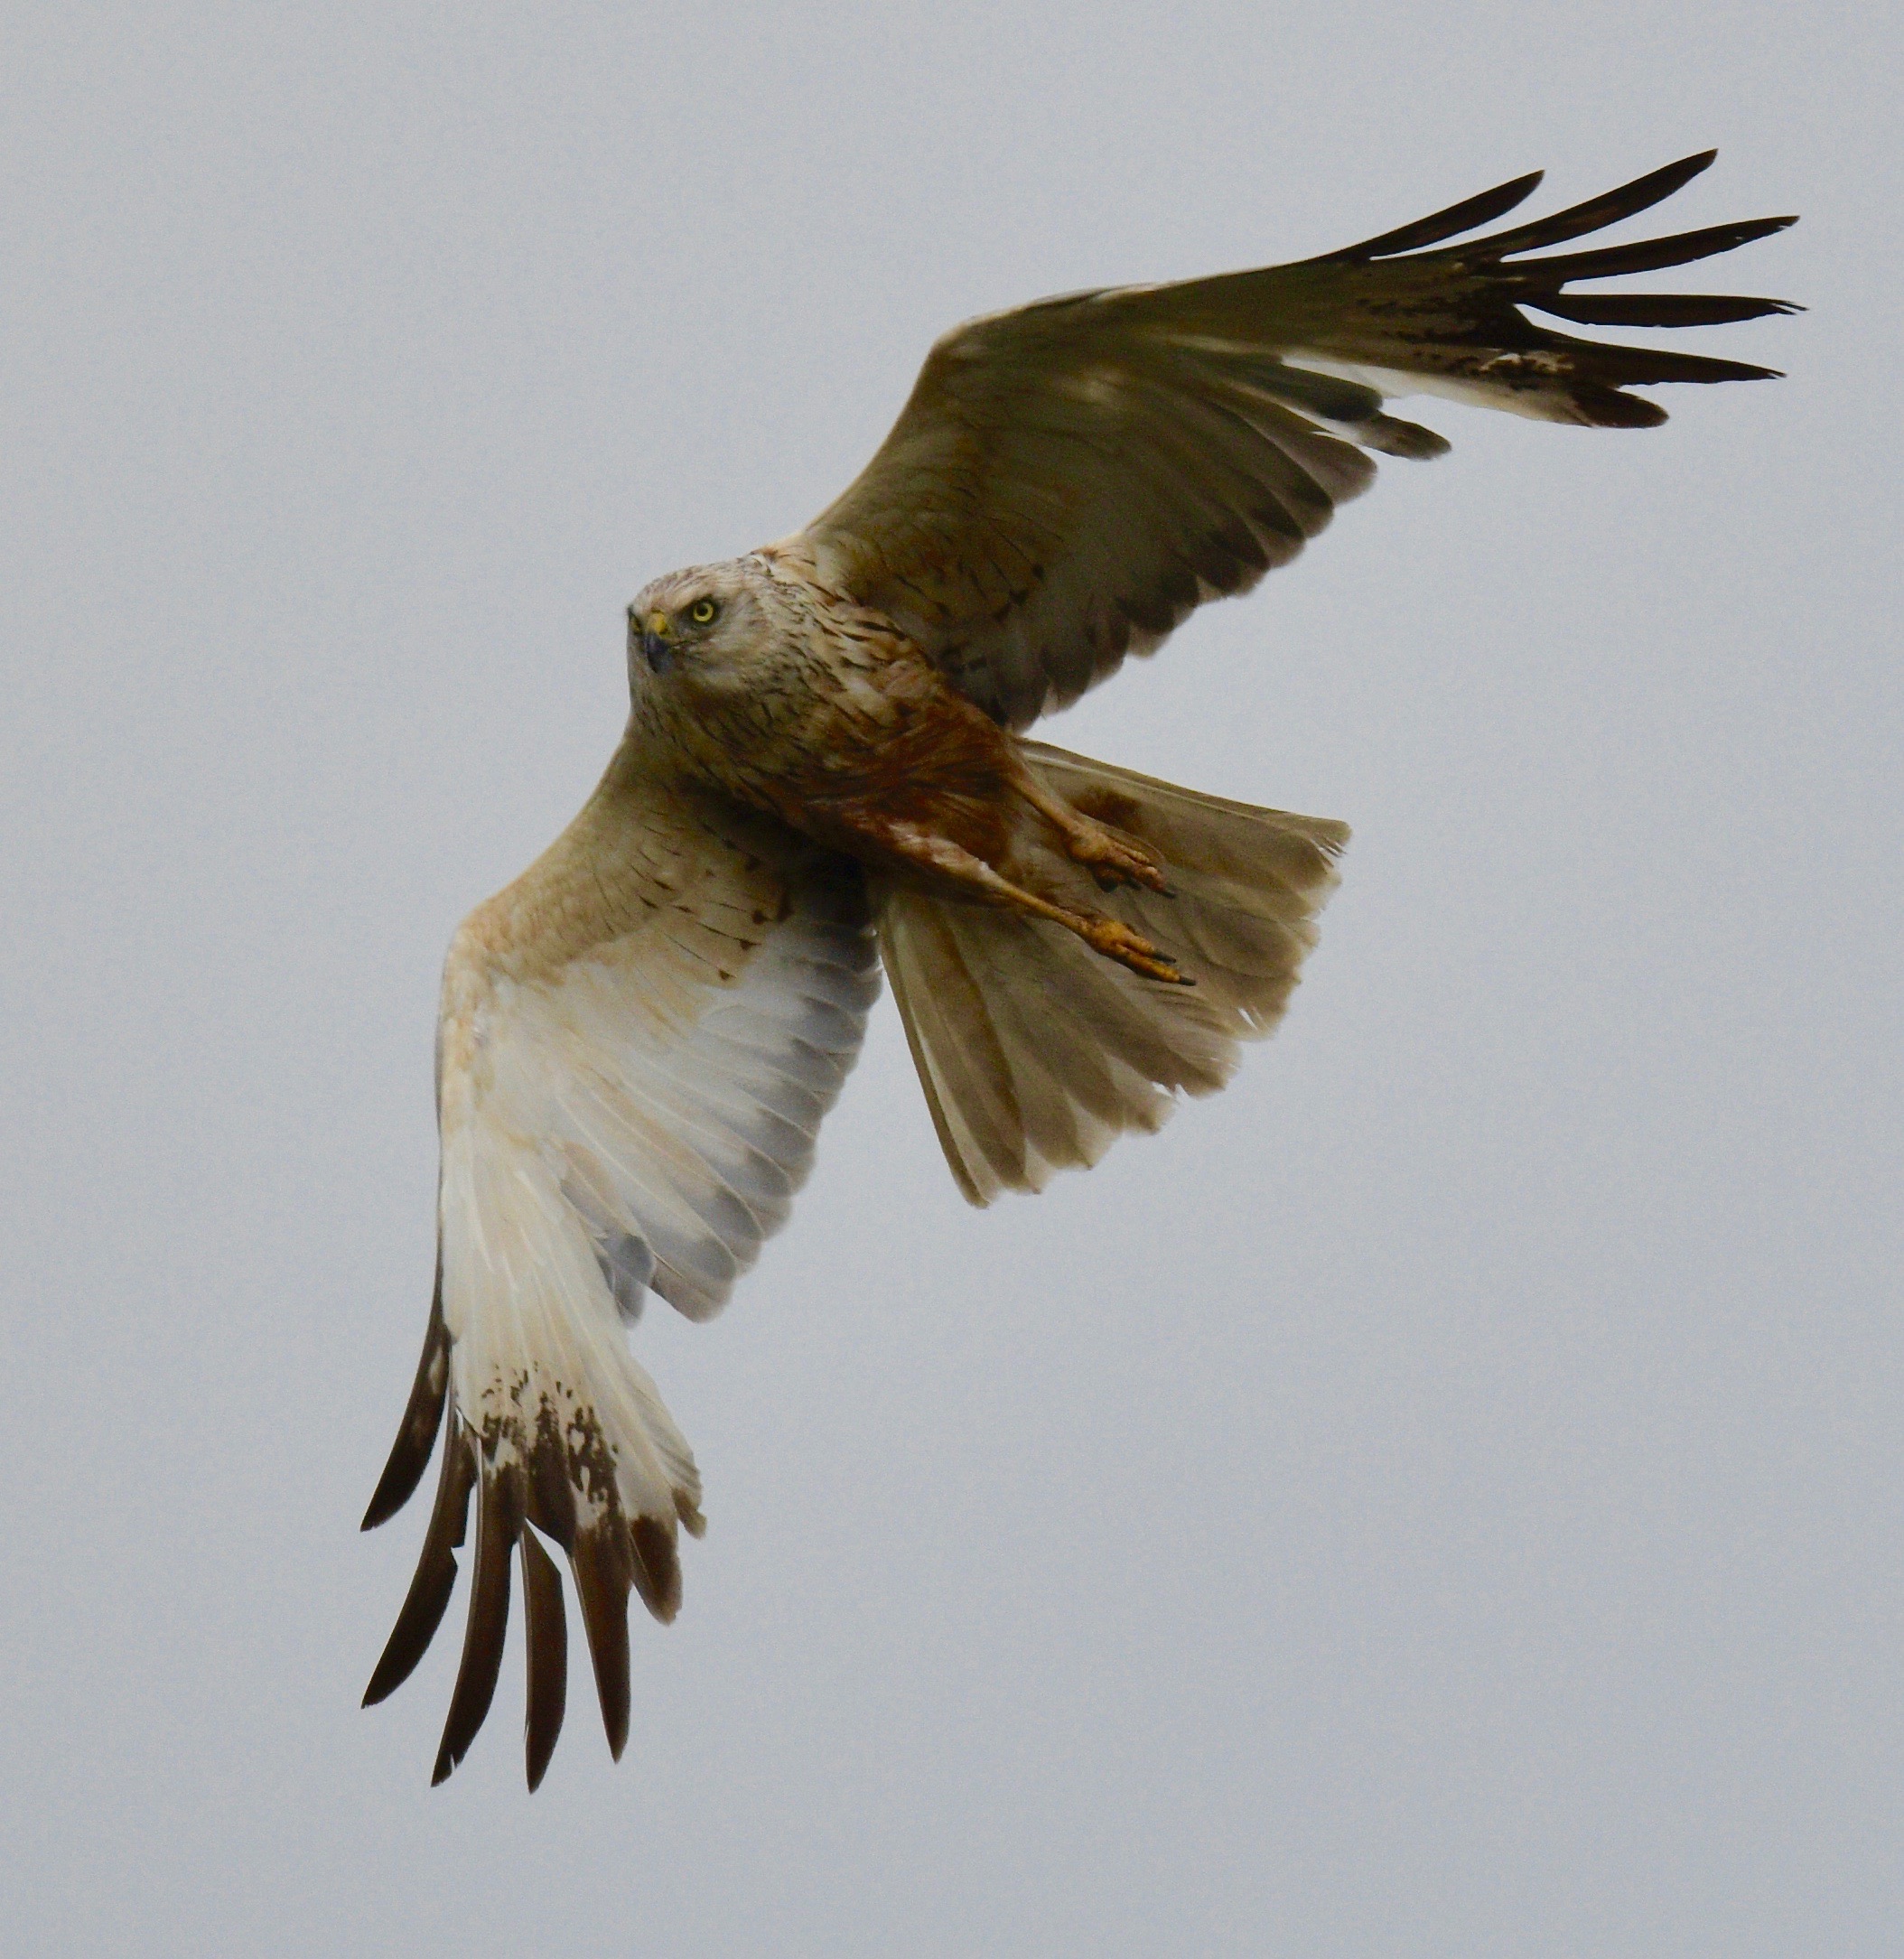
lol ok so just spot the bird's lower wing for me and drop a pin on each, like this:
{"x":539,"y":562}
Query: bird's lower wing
{"x":1069,"y":481}
{"x":639,"y":1039}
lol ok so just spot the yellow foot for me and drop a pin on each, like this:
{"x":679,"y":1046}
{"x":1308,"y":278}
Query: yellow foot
{"x":1116,"y":941}
{"x":1116,"y":860}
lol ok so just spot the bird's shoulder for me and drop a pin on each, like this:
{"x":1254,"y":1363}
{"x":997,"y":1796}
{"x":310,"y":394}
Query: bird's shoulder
{"x":658,"y":880}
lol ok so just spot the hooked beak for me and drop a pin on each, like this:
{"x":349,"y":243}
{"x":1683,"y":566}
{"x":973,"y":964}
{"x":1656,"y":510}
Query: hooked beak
{"x":658,"y":646}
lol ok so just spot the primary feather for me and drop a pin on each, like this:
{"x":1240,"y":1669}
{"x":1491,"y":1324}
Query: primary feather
{"x":1070,"y":479}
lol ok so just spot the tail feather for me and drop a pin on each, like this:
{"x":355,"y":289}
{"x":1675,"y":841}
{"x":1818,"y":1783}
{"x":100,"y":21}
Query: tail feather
{"x":1036,"y":1054}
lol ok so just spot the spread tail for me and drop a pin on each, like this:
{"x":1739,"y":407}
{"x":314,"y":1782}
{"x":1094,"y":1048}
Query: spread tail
{"x":1035,"y":1053}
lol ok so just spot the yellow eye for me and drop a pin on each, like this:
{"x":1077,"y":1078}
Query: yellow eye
{"x":703,"y":612}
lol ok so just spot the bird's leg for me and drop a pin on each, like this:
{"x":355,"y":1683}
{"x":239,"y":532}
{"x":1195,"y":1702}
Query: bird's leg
{"x":1111,"y":937}
{"x":1111,"y":859}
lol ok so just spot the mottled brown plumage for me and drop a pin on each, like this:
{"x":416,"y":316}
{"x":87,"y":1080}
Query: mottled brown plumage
{"x":824,"y":776}
{"x":795,"y":700}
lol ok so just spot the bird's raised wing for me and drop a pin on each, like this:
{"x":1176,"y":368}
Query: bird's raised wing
{"x":1070,"y":479}
{"x":637,"y":1041}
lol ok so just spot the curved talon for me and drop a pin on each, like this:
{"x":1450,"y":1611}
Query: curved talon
{"x":1111,"y":857}
{"x":1116,"y":941}
{"x":1110,"y":878}
{"x":1113,"y":862}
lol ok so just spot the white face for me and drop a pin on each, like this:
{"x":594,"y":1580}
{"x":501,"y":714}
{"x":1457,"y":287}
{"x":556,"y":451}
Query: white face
{"x":703,"y":627}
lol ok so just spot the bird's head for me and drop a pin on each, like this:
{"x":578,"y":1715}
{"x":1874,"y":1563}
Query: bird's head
{"x":709,"y":624}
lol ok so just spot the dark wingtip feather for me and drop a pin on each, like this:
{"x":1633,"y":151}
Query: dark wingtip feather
{"x":1389,"y":436}
{"x":1466,"y":310}
{"x":1657,"y":309}
{"x":436,"y":1577}
{"x":1652,"y":254}
{"x":656,"y":1567}
{"x":545,"y":1627}
{"x":1599,"y":406}
{"x":602,"y":1564}
{"x":498,"y":1518}
{"x":422,"y":1417}
{"x":1598,"y":400}
{"x":1651,"y":366}
{"x":1595,"y":213}
{"x":1480,"y":209}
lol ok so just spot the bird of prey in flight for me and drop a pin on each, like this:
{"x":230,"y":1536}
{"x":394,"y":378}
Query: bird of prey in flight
{"x":824,"y":775}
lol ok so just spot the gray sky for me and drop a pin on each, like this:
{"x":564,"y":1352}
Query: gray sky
{"x":1441,"y":1498}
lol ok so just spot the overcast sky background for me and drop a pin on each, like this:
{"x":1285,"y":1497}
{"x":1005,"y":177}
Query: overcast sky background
{"x":1441,"y":1498}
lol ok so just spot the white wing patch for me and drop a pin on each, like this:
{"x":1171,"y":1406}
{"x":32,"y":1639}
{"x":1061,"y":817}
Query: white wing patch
{"x":678,"y":1141}
{"x":638,"y":1040}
